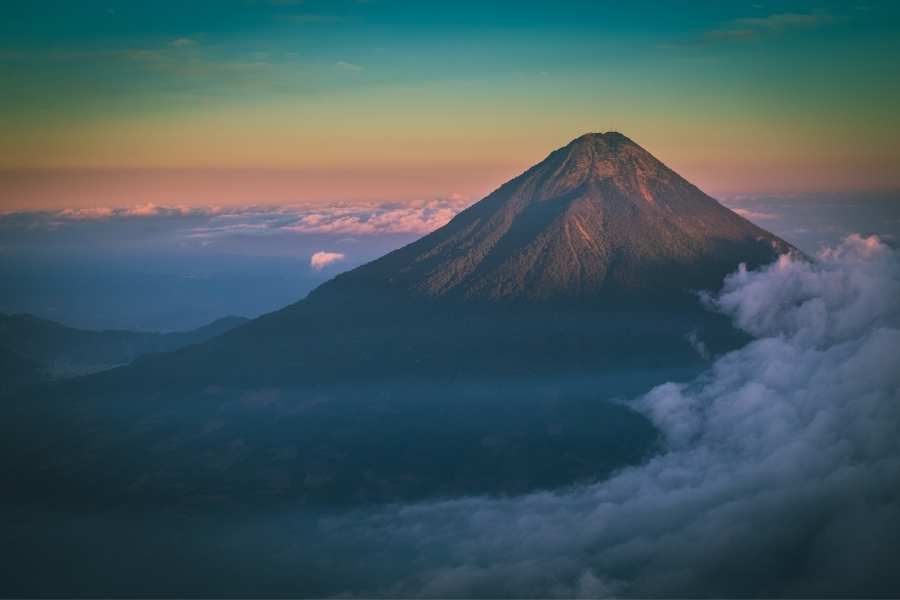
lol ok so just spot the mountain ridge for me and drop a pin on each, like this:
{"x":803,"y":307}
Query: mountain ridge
{"x":35,"y":349}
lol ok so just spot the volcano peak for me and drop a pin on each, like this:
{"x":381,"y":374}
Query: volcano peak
{"x":611,"y":145}
{"x":611,"y":139}
{"x":598,"y":219}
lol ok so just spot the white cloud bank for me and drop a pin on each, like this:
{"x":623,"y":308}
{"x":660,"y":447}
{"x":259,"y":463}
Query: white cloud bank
{"x":781,"y":475}
{"x":413,"y":218}
{"x":410,"y":218}
{"x":142,"y":210}
{"x":322,"y":259}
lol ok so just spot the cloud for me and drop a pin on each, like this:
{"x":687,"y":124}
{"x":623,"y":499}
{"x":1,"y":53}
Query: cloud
{"x":811,"y":221}
{"x":312,"y":19}
{"x":97,"y":212}
{"x":383,"y":219}
{"x":75,"y":217}
{"x":322,"y":259}
{"x":780,"y":477}
{"x":754,"y":27}
{"x":172,"y":59}
{"x":408,"y":218}
{"x":781,"y":21}
{"x":141,"y":210}
{"x":182,"y":42}
{"x":348,"y":66}
{"x":754,"y":215}
{"x":698,"y":345}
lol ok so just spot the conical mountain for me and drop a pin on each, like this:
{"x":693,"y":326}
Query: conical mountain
{"x":448,"y":367}
{"x":597,"y":220}
{"x":588,"y":261}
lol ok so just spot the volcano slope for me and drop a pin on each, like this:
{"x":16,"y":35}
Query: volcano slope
{"x":478,"y":359}
{"x":590,"y":259}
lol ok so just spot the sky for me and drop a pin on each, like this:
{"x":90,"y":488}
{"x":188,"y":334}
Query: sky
{"x":239,"y":102}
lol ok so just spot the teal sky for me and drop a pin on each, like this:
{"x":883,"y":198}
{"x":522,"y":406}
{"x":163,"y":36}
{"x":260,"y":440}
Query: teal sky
{"x":385,"y":99}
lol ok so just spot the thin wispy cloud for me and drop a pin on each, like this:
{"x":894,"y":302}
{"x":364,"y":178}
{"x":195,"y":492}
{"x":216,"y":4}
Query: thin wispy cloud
{"x":752,"y":28}
{"x":781,"y":21}
{"x":756,"y":27}
{"x":755,"y":215}
{"x":180,"y":58}
{"x":312,"y":19}
{"x":348,"y":67}
{"x":182,"y":42}
{"x":142,"y":210}
{"x":390,"y":218}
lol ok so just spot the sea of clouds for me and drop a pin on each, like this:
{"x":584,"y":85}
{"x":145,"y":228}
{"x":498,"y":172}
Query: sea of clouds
{"x":158,"y":267}
{"x":211,"y":221}
{"x":781,"y":474}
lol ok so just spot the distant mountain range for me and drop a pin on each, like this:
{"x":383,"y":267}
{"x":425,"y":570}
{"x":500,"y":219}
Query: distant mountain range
{"x":476,"y":360}
{"x":34,"y":349}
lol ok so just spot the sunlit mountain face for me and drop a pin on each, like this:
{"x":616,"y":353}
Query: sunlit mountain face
{"x":597,"y":219}
{"x":457,"y":300}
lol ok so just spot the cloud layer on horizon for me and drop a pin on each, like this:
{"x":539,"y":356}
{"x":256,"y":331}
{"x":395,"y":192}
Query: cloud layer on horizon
{"x":814,"y":221}
{"x":807,"y":221}
{"x":350,"y":219}
{"x":81,"y":254}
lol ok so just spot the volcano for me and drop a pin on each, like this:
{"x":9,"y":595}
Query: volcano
{"x":589,"y":260}
{"x":597,"y":221}
{"x":478,"y":359}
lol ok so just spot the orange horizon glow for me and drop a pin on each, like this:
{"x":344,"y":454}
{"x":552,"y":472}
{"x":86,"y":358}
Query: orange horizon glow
{"x":376,"y":108}
{"x":61,"y":188}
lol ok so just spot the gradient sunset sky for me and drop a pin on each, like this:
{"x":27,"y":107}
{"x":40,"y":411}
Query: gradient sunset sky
{"x":111,"y":103}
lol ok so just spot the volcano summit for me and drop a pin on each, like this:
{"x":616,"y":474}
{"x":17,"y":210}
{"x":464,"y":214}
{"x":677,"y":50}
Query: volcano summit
{"x":475,"y":360}
{"x":597,"y":220}
{"x":592,"y":257}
